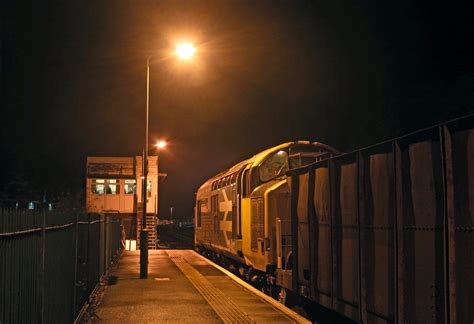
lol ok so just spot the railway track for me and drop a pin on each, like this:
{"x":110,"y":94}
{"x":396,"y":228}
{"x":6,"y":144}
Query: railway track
{"x":175,"y":237}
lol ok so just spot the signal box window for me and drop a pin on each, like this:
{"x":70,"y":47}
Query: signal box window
{"x":103,"y":186}
{"x":148,"y":188}
{"x":130,"y":187}
{"x":98,"y":186}
{"x":113,"y":187}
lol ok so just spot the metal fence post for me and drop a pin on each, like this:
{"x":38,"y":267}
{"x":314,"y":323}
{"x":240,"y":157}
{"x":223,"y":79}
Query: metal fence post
{"x":105,"y":244}
{"x":74,"y":298}
{"x":88,"y":258}
{"x":313,"y":235}
{"x":43,"y":265}
{"x":332,"y":208}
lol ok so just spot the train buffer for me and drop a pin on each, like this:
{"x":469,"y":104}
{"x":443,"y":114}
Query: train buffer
{"x":184,"y":287}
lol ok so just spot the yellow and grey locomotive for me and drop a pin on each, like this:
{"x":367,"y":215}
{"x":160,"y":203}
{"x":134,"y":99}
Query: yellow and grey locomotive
{"x":242,"y":215}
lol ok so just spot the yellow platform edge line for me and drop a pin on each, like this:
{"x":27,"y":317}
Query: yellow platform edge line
{"x":282,"y":308}
{"x":224,"y":307}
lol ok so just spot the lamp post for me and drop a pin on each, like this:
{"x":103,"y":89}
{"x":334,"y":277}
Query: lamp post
{"x":143,"y":229}
{"x":183,"y":51}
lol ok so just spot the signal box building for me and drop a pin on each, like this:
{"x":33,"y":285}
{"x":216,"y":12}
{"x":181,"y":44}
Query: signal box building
{"x":114,"y":185}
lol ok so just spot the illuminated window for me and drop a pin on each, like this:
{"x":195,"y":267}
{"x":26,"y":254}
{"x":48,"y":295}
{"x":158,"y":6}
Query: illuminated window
{"x":113,"y":187}
{"x":148,"y":188}
{"x":274,"y":166}
{"x":130,"y":187}
{"x":98,"y":186}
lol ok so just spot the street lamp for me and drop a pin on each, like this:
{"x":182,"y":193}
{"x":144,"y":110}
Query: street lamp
{"x":183,"y":51}
{"x":161,"y":144}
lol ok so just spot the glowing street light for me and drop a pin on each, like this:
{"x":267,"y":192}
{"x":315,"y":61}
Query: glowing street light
{"x":185,"y":51}
{"x":161,"y":144}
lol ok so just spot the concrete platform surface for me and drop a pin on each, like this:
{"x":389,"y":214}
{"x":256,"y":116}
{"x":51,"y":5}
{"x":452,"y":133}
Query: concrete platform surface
{"x":184,"y":287}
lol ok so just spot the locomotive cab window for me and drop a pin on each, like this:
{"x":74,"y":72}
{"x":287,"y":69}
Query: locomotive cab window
{"x":274,"y":166}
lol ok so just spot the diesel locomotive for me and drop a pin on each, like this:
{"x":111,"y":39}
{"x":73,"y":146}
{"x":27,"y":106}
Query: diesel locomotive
{"x":382,"y":234}
{"x":242,"y":215}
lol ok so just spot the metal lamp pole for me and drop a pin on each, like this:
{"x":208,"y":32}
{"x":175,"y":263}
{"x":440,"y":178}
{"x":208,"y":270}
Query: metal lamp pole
{"x":143,"y":229}
{"x":183,"y":51}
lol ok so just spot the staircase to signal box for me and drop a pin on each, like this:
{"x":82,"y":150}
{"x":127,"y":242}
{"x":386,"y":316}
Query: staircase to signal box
{"x":151,"y":228}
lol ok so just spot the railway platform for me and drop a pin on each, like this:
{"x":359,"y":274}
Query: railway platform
{"x":184,"y":287}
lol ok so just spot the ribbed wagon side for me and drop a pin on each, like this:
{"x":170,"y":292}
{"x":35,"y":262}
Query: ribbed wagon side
{"x":385,"y":234}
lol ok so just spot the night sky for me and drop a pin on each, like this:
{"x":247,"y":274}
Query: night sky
{"x":346,"y":73}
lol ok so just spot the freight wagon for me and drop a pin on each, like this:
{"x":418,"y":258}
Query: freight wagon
{"x":385,"y":234}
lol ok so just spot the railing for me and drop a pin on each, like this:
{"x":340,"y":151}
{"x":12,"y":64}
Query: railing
{"x":50,"y":262}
